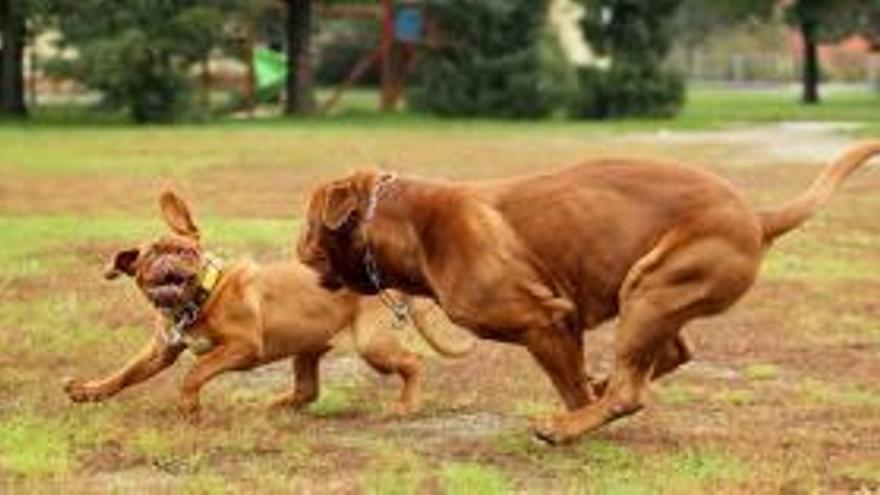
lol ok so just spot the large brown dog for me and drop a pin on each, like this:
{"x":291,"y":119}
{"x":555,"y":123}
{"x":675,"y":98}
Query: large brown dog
{"x":540,"y":259}
{"x":242,"y":316}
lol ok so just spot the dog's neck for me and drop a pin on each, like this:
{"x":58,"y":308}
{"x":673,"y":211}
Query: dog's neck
{"x":207,"y":280}
{"x":379,"y":187}
{"x":401,"y":214}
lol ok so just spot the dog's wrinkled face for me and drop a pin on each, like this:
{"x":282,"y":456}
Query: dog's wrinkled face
{"x":331,"y":243}
{"x":167,"y":269}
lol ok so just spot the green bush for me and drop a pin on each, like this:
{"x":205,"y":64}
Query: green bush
{"x":636,"y":36}
{"x":627,"y":90}
{"x":138,"y":54}
{"x":129,"y":76}
{"x":494,"y":60}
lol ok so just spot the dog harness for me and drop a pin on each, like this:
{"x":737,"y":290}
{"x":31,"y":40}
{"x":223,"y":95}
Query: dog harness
{"x":399,"y":309}
{"x":186,"y":315}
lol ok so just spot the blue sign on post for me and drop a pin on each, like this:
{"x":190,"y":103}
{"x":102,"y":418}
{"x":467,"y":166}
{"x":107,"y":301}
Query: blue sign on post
{"x":408,"y":24}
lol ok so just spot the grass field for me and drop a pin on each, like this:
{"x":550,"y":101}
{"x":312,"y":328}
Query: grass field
{"x":783,"y":396}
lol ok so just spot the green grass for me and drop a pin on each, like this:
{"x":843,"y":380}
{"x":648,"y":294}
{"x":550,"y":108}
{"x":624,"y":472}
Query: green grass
{"x":695,"y":467}
{"x":819,"y":266}
{"x":205,"y":484}
{"x":152,"y":444}
{"x":713,"y":106}
{"x":62,"y":323}
{"x":761,"y":371}
{"x":867,"y":472}
{"x":44,"y":146}
{"x":735,"y":397}
{"x":597,"y":466}
{"x":335,"y":400}
{"x":27,"y":242}
{"x":34,"y":447}
{"x":812,"y":391}
{"x":394,"y":470}
{"x":679,"y":394}
{"x":824,"y":325}
{"x":473,"y":478}
{"x":612,"y":469}
{"x":826,"y":256}
{"x":531,"y":408}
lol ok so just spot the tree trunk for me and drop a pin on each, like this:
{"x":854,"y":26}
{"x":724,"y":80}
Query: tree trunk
{"x":12,"y":28}
{"x":298,"y":27}
{"x":811,"y":63}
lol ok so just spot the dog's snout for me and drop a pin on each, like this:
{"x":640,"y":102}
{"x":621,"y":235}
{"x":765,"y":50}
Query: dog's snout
{"x":166,"y":269}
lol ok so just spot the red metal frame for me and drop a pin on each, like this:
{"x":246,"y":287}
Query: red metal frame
{"x":392,"y":85}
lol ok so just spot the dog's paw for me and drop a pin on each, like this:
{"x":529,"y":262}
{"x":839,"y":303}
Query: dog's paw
{"x":79,"y":391}
{"x":551,"y":431}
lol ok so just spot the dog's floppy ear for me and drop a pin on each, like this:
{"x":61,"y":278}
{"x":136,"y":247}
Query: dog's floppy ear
{"x":177,"y":215}
{"x":123,"y":263}
{"x":340,"y":203}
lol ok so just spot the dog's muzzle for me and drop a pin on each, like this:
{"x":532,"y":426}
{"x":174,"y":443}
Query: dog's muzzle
{"x":169,"y":285}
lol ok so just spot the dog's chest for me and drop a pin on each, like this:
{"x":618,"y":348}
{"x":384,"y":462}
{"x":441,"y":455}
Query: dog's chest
{"x":198,"y":344}
{"x":195,"y":339}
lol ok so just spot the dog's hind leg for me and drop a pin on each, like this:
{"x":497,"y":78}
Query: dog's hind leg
{"x":670,"y":356}
{"x":698,"y":279}
{"x":673,"y":354}
{"x":306,"y":382}
{"x":384,"y":352}
{"x":641,"y":336}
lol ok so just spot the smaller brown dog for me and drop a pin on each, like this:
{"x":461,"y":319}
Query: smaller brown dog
{"x":242,"y":316}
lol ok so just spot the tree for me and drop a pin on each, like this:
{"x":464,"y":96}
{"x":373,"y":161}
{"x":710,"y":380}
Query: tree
{"x":823,"y":21}
{"x":494,"y":58}
{"x":695,"y":20}
{"x":298,"y":32}
{"x":12,"y":30}
{"x":636,"y":36}
{"x":139,"y":54}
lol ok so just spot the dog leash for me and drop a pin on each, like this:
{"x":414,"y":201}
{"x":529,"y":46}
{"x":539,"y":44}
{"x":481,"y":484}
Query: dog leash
{"x":399,"y":309}
{"x":183,"y":318}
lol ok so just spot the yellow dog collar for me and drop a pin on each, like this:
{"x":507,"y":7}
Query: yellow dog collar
{"x":209,"y":276}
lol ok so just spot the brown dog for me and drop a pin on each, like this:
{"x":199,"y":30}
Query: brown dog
{"x":242,"y":316}
{"x":538,"y":260}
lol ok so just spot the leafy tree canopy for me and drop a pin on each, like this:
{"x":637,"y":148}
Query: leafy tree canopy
{"x":138,"y":52}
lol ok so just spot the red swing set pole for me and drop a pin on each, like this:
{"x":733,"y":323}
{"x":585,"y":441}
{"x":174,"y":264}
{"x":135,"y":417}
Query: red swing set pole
{"x":387,"y":96}
{"x":382,"y":56}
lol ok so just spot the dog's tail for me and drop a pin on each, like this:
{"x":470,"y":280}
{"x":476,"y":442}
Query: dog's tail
{"x":418,"y":315}
{"x":779,"y":220}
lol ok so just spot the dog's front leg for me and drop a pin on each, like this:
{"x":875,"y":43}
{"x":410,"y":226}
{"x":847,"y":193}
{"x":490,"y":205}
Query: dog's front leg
{"x":227,"y":357}
{"x":153,"y":358}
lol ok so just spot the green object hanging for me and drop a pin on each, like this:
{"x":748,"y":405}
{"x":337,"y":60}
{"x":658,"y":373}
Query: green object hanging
{"x":270,"y":69}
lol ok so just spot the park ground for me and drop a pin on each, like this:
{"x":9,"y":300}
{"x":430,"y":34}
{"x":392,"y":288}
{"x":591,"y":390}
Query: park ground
{"x":783,"y":395}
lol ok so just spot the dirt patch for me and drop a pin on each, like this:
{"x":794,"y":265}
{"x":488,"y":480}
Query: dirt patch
{"x":468,"y":425}
{"x":787,"y":142}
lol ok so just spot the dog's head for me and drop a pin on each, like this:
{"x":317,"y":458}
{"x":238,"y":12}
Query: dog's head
{"x":332,"y":242}
{"x":167,"y":269}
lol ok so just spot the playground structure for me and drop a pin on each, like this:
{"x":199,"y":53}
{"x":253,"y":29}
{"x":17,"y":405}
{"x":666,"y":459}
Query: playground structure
{"x":402,"y":29}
